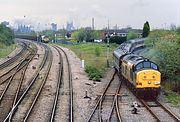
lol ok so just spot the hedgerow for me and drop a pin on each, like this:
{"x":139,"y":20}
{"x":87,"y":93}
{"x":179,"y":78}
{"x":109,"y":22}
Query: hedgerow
{"x":165,"y":51}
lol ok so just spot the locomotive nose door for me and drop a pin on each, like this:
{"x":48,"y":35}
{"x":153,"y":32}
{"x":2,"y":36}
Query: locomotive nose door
{"x":148,"y":79}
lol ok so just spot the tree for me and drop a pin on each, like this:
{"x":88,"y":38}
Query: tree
{"x":178,"y":30}
{"x":116,"y":39}
{"x":87,"y":35}
{"x":165,"y":52}
{"x":173,"y":27}
{"x":6,"y":35}
{"x":146,"y":29}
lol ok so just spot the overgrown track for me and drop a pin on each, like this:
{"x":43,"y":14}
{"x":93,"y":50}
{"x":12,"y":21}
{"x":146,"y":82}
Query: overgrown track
{"x":13,"y":59}
{"x":32,"y":85}
{"x":11,"y":90}
{"x":71,"y":115}
{"x":114,"y":104}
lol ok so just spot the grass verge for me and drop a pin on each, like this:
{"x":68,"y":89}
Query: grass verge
{"x":173,"y":98}
{"x":95,"y":56}
{"x":6,"y":50}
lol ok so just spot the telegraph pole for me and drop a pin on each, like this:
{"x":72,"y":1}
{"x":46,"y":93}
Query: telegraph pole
{"x":108,"y":37}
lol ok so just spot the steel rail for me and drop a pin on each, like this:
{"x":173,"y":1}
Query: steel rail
{"x":29,"y":86}
{"x":115,"y":105}
{"x":117,"y":111}
{"x":12,"y":76}
{"x":71,"y":118}
{"x":42,"y":85}
{"x":101,"y":97}
{"x":23,"y":64}
{"x":34,"y":52}
{"x":15,"y":67}
{"x":60,"y":73}
{"x":168,"y":111}
{"x":144,"y":103}
{"x":149,"y":109}
{"x":11,"y":60}
{"x":100,"y":110}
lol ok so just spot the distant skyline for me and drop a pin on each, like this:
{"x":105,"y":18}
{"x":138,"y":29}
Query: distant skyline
{"x":41,"y":13}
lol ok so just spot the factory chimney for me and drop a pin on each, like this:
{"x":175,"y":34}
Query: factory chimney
{"x":92,"y":23}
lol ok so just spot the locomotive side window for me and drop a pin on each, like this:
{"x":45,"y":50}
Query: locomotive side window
{"x":139,"y":66}
{"x":146,"y":64}
{"x":153,"y":66}
{"x":131,"y":74}
{"x":126,"y":69}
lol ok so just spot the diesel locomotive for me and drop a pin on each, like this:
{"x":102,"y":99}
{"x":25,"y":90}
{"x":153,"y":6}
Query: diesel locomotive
{"x":141,"y":74}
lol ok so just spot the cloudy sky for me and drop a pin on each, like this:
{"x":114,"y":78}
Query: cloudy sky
{"x":159,"y":13}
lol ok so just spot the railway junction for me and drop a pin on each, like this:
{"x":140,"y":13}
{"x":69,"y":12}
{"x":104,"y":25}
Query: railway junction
{"x":41,"y":82}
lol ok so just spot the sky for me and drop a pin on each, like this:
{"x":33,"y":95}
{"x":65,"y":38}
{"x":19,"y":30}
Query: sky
{"x":123,"y":13}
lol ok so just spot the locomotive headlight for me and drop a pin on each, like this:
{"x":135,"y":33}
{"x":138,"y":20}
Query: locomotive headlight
{"x":157,"y":82}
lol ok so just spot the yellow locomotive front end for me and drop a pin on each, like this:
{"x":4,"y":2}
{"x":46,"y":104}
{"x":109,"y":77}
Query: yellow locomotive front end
{"x":148,"y":79}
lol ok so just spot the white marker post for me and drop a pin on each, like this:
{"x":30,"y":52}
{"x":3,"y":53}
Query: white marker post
{"x":82,"y":63}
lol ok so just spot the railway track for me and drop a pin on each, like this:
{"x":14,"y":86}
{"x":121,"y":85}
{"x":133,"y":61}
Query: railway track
{"x":8,"y":70}
{"x":49,"y":57}
{"x":103,"y":103}
{"x":60,"y":73}
{"x":11,"y":88}
{"x":16,"y":57}
{"x":67,"y":77}
{"x":33,"y":90}
{"x":159,"y":112}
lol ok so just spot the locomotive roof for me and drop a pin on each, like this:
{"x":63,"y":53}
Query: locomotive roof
{"x":136,"y":40}
{"x":134,"y":59}
{"x":119,"y":52}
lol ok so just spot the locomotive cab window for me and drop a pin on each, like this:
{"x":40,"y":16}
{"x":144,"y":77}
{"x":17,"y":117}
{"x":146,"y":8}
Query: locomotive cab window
{"x":139,"y":66}
{"x":153,"y":66}
{"x":146,"y":64}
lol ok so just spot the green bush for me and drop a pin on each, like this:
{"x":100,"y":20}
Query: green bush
{"x":93,"y":73}
{"x":165,"y":50}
